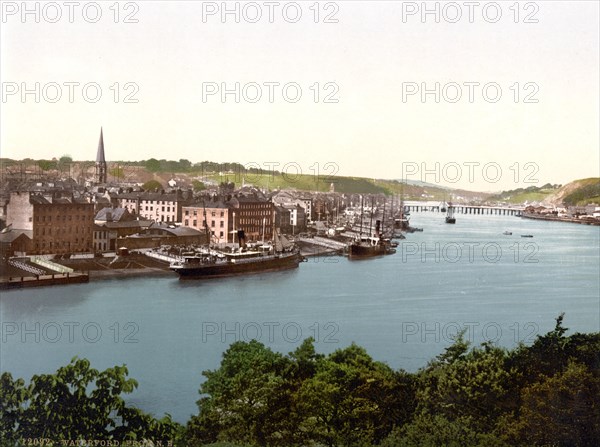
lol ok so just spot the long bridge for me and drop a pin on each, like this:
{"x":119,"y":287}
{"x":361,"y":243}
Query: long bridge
{"x":464,"y":209}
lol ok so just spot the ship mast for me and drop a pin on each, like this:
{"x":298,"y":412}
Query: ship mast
{"x":206,"y":223}
{"x":371,"y":219}
{"x":361,"y":214}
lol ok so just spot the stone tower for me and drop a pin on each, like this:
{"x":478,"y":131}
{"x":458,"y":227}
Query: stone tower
{"x":100,"y":174}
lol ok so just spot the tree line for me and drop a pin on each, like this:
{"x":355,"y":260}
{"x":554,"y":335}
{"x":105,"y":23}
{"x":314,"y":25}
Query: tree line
{"x":539,"y":395}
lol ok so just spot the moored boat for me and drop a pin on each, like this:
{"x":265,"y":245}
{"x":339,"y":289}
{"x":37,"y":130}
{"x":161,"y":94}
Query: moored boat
{"x":217,"y":264}
{"x":366,"y":247}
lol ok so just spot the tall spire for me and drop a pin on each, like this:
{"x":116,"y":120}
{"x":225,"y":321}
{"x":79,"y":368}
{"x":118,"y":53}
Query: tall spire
{"x":100,"y":155}
{"x":100,"y":176}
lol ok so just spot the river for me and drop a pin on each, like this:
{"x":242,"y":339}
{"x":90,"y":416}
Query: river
{"x":403,"y":308}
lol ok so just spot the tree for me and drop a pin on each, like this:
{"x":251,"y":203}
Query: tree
{"x":152,"y":165}
{"x":65,"y":159}
{"x":561,"y":410}
{"x":353,"y":400}
{"x":198,"y":185}
{"x":151,"y":185}
{"x":46,"y":165}
{"x":78,"y":402}
{"x":184,"y":165}
{"x":434,"y":430}
{"x":242,"y":402}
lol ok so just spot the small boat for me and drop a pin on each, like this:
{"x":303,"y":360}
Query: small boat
{"x":507,"y":233}
{"x":527,"y":235}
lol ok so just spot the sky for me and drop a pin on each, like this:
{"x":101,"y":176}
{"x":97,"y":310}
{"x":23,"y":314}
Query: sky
{"x":488,"y":97}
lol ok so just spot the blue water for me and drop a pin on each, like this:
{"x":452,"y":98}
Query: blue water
{"x":404,"y":309}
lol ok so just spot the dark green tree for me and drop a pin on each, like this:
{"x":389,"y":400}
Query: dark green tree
{"x":152,"y":165}
{"x":78,"y":402}
{"x":151,"y":185}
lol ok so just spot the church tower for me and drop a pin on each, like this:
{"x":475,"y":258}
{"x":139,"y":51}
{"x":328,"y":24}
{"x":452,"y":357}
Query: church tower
{"x":100,"y":174}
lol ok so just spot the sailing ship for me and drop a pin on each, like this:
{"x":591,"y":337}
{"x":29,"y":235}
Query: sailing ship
{"x":450,"y":219}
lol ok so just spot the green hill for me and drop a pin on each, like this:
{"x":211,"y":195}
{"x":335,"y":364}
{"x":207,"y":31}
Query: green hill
{"x":579,"y":192}
{"x":522,"y":195}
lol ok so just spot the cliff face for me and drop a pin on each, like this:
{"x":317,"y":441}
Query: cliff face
{"x":578,"y":192}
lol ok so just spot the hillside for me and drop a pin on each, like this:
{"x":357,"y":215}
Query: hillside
{"x":187,"y":175}
{"x":578,"y":192}
{"x":525,"y":195}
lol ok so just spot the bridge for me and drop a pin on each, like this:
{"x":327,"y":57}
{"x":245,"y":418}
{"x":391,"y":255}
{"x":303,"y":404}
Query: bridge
{"x":464,"y":209}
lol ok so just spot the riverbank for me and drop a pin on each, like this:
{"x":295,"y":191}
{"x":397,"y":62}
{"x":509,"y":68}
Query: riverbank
{"x":85,"y":270}
{"x":22,"y":282}
{"x":553,"y":218}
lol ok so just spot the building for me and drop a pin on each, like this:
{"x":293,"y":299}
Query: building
{"x":104,"y":239}
{"x":219,"y":219}
{"x":157,"y":206}
{"x":254,"y":216}
{"x":306,"y":203}
{"x":172,"y":235}
{"x":100,"y":173}
{"x":14,"y":242}
{"x":291,"y":219}
{"x":58,"y":224}
{"x":110,"y":224}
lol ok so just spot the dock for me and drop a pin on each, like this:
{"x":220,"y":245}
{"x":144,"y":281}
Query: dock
{"x":20,"y":282}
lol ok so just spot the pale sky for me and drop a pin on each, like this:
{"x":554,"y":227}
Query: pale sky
{"x":374,"y":53}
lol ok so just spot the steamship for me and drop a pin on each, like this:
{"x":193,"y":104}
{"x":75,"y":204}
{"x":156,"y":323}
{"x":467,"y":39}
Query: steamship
{"x":243,"y":260}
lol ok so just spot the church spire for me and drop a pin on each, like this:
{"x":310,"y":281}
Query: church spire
{"x":100,"y":161}
{"x":100,"y":155}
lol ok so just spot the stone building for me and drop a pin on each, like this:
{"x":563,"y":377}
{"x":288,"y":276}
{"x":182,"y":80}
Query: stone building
{"x":219,"y":219}
{"x":157,"y":206}
{"x":254,"y":216}
{"x":58,"y":224}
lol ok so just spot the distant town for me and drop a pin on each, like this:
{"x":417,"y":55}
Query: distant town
{"x":57,"y":220}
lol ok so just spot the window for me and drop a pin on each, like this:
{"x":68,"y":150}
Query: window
{"x":195,"y":223}
{"x":212,"y":224}
{"x":187,"y":212}
{"x":186,"y":223}
{"x":163,"y":209}
{"x":30,"y":219}
{"x":220,"y":234}
{"x":222,"y":224}
{"x":222,"y":213}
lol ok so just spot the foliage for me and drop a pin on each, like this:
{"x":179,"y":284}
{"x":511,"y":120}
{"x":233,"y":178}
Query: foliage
{"x":198,"y":185}
{"x":65,"y":406}
{"x":487,"y":396}
{"x":151,"y":185}
{"x":46,"y":165}
{"x":152,"y":165}
{"x":588,"y":191}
